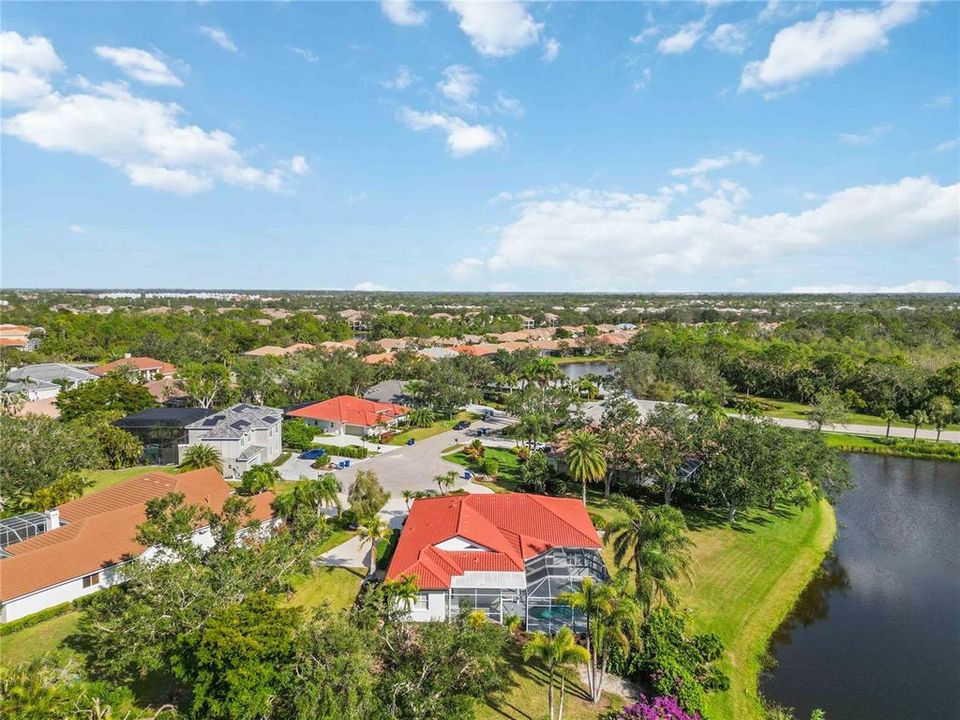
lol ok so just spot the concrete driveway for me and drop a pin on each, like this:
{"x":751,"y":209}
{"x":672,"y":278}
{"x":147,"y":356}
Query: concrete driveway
{"x":413,"y":467}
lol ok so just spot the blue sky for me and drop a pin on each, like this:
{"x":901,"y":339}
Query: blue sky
{"x":489,"y":146}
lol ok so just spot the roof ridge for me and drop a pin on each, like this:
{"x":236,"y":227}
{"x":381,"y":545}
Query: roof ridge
{"x":537,"y":499}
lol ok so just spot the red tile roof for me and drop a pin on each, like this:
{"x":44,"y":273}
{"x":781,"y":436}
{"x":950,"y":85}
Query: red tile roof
{"x":13,"y":341}
{"x":351,"y":411}
{"x":99,"y":529}
{"x":138,"y":363}
{"x":512,"y":526}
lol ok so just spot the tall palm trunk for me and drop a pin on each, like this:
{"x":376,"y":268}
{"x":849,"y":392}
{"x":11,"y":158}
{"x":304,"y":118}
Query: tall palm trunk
{"x":603,"y":672}
{"x":563,"y":683}
{"x":607,"y":481}
{"x":584,"y":492}
{"x":550,"y":694}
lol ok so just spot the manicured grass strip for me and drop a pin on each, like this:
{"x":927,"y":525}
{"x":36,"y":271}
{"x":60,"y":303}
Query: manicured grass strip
{"x":105,"y":478}
{"x":337,"y":537}
{"x":898,"y":447}
{"x":440,"y":426}
{"x":336,"y":585}
{"x":799,"y":411}
{"x":526,"y":698}
{"x":508,"y":471}
{"x":745,"y":580}
{"x":35,"y":640}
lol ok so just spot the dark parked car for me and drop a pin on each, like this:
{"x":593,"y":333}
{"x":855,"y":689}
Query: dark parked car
{"x":314,"y":454}
{"x":462,"y":425}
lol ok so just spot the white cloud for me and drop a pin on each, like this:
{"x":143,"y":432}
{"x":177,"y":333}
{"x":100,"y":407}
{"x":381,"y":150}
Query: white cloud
{"x":220,"y":37}
{"x":865,"y":138}
{"x":948,"y":145}
{"x":508,"y":105}
{"x":825,"y":44}
{"x":683,"y":40}
{"x":139,"y":65}
{"x":462,"y":138}
{"x":914,"y":286}
{"x":616,"y":239}
{"x":402,"y":80}
{"x":940,"y":101}
{"x":497,"y":29}
{"x":78,"y":230}
{"x":27,"y":66}
{"x":306,"y":53}
{"x":551,"y":50}
{"x":370,"y":287}
{"x":143,"y":138}
{"x":466,"y":268}
{"x":403,"y":12}
{"x":459,"y":84}
{"x":709,"y":164}
{"x":729,"y":38}
{"x":298,"y":165}
{"x":643,"y":79}
{"x":645,"y":34}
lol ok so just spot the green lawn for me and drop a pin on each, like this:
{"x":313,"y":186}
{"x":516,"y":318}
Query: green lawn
{"x":32,"y":642}
{"x":526,"y":697}
{"x":435,"y":429}
{"x":105,"y":478}
{"x":335,"y":585}
{"x":799,"y":411}
{"x":509,"y":467}
{"x":745,"y":580}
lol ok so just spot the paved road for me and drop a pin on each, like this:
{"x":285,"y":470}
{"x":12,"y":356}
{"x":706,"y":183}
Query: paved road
{"x":952,"y":436}
{"x":413,"y":467}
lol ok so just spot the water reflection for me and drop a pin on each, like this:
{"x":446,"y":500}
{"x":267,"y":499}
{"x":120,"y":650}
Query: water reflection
{"x":813,"y":604}
{"x":876,"y":635}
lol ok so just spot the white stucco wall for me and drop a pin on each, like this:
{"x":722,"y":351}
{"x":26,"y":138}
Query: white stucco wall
{"x":436,"y":607}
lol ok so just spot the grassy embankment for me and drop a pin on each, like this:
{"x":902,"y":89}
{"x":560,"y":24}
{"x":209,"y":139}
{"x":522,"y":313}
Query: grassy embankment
{"x":799,"y":411}
{"x":435,"y":428}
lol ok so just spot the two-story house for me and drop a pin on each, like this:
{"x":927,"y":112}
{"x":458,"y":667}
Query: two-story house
{"x":244,"y":435}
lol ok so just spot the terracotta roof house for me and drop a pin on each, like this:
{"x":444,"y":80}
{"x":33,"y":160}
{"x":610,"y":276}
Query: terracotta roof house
{"x":509,"y":553}
{"x":16,"y":336}
{"x":437,"y":353}
{"x":277,"y":350}
{"x":478,"y":350}
{"x":387,"y":358}
{"x":80,"y":547}
{"x":143,"y":366}
{"x":392,"y":343}
{"x":349,"y":415}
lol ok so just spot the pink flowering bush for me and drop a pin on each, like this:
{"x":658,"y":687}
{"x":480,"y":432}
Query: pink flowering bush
{"x":660,"y":708}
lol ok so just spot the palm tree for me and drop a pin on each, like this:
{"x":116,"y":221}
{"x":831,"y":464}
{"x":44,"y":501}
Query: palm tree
{"x":445,"y":481}
{"x":422,"y":417}
{"x":618,"y":621}
{"x":655,"y":543}
{"x":585,"y":458}
{"x":588,"y":599}
{"x":888,"y":417}
{"x":475,"y":450}
{"x":917,"y":418}
{"x":558,"y":653}
{"x":402,"y":591}
{"x":408,"y":497}
{"x":202,"y":456}
{"x":371,"y":532}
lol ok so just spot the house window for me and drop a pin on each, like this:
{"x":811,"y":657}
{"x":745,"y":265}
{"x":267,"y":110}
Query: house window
{"x":420,"y":603}
{"x":92,"y":579}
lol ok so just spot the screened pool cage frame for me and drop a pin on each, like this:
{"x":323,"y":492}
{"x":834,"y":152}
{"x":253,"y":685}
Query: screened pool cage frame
{"x":547,"y":576}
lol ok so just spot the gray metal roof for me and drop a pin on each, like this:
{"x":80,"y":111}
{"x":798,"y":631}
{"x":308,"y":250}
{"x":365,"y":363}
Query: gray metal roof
{"x":49,"y":372}
{"x":234,"y":421}
{"x":16,"y":387}
{"x":388,"y":391}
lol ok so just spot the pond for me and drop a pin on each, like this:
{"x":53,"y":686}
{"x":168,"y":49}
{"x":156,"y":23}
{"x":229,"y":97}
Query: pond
{"x":576,"y":370}
{"x":877,"y":633}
